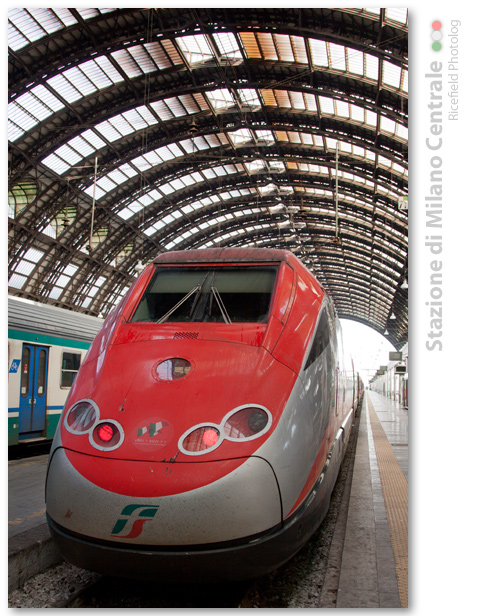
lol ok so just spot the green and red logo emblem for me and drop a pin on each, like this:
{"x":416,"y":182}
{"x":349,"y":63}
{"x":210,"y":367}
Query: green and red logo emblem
{"x":132,"y":520}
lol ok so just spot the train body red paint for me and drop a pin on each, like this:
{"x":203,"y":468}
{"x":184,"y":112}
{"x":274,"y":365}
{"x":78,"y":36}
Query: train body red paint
{"x":204,"y":432}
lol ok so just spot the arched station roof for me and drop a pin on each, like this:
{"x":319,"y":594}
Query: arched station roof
{"x":138,"y":131}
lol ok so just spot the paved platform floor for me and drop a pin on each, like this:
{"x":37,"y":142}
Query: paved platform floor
{"x":374,"y":570}
{"x":26,"y":489}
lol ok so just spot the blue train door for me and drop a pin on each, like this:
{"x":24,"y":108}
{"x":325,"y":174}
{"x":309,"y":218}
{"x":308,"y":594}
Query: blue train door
{"x":33,"y":390}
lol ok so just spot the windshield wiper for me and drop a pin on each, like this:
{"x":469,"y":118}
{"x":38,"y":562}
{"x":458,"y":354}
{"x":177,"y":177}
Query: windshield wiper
{"x":182,"y":301}
{"x":221,"y":305}
{"x":197,"y":296}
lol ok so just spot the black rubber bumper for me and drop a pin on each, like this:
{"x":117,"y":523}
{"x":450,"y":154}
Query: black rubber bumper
{"x":253,"y":558}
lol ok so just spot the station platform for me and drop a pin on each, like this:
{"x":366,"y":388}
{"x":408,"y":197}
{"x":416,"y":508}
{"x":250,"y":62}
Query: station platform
{"x":374,"y":564}
{"x":373,"y":569}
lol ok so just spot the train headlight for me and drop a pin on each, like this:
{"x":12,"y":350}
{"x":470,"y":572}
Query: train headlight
{"x":172,"y":369}
{"x":107,"y":435}
{"x":200,"y":439}
{"x":81,"y":417}
{"x":84,"y":418}
{"x":246,"y":423}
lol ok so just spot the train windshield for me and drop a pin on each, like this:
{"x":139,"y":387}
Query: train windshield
{"x":222,"y":294}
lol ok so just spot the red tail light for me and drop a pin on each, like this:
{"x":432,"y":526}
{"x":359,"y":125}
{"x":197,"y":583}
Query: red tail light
{"x":200,"y":440}
{"x":107,"y":435}
{"x":210,"y":437}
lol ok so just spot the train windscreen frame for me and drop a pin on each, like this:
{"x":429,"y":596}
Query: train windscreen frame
{"x":214,"y":294}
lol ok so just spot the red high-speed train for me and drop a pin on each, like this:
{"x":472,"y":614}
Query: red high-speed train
{"x":204,"y":432}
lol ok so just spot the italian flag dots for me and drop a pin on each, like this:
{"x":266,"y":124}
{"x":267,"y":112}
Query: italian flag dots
{"x":437,"y":35}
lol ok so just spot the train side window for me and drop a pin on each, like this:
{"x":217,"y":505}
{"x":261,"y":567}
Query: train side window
{"x":42,"y":372}
{"x":25,"y":371}
{"x":70,"y":367}
{"x":321,"y":338}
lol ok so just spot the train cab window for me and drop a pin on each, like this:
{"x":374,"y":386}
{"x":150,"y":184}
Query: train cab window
{"x":70,"y":367}
{"x":321,"y":338}
{"x":223,"y":294}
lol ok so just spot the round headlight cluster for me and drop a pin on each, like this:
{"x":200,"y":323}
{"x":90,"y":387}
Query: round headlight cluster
{"x":84,"y":418}
{"x":244,"y":423}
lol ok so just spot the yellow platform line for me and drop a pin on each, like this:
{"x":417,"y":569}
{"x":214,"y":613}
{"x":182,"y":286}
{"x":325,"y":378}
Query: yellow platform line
{"x":395,"y":494}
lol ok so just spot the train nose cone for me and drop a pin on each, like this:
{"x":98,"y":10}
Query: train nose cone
{"x":243,"y":502}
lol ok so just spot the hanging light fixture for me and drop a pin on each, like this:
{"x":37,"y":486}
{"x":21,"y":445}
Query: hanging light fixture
{"x":139,"y":268}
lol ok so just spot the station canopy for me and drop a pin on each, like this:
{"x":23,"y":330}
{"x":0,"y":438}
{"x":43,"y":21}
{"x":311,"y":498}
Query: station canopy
{"x":134,"y":132}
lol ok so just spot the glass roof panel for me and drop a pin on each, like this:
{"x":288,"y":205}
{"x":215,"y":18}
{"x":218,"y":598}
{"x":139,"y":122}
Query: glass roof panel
{"x":18,"y":122}
{"x":387,"y":125}
{"x":342,"y":109}
{"x":78,"y":78}
{"x":401,"y":131}
{"x":357,"y":113}
{"x":34,"y":24}
{"x":93,"y":139}
{"x":82,"y":80}
{"x":355,"y":61}
{"x":91,"y":13}
{"x":162,"y":110}
{"x":140,"y":118}
{"x":370,"y":118}
{"x":299,"y":49}
{"x":64,"y":88}
{"x":142,"y":58}
{"x":57,"y":164}
{"x":161,"y":56}
{"x":319,"y":52}
{"x":126,"y":61}
{"x":397,"y":15}
{"x":30,"y":109}
{"x":285,"y":48}
{"x":69,"y":154}
{"x":176,"y":106}
{"x":391,"y":74}
{"x":267,"y":46}
{"x":249,"y":96}
{"x":102,"y":72}
{"x":220,"y":99}
{"x":250,"y":45}
{"x":337,"y":57}
{"x":326,"y":105}
{"x":241,"y":136}
{"x":371,"y":63}
{"x":227,"y":45}
{"x":195,"y":48}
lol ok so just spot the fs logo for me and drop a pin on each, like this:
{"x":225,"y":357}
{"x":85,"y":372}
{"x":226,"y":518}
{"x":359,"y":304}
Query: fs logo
{"x":437,"y":35}
{"x":132,"y":519}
